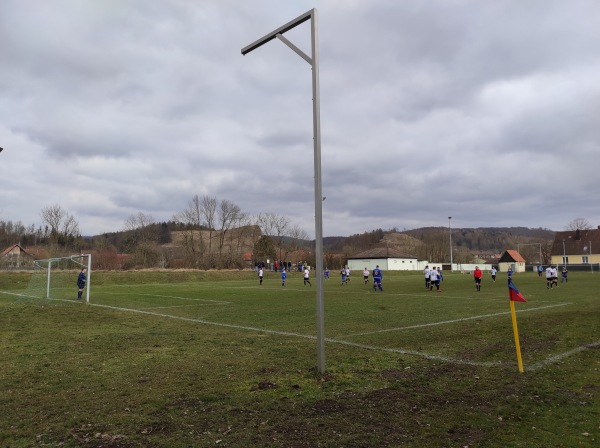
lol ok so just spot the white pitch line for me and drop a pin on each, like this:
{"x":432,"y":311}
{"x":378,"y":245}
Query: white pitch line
{"x":206,"y":322}
{"x":286,"y":333}
{"x":173,"y":306}
{"x":416,"y":353}
{"x":444,"y":322}
{"x":20,"y":295}
{"x":560,"y":356}
{"x":219,"y":302}
{"x":536,"y":366}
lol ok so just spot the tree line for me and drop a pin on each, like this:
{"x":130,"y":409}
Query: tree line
{"x":212,"y":233}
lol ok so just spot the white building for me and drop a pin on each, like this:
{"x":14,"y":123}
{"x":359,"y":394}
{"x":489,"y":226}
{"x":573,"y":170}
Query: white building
{"x":387,"y":260}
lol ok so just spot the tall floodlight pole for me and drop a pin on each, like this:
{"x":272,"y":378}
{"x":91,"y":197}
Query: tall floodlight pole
{"x":450,"y":231}
{"x":314,"y":62}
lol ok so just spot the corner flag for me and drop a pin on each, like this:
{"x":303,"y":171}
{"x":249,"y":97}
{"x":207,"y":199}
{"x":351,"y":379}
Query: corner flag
{"x":515,"y":296}
{"x":514,"y":293}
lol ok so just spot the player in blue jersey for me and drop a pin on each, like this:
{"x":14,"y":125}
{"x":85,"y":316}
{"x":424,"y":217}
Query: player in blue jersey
{"x":283,"y":276}
{"x":377,"y":277}
{"x":344,"y":276}
{"x":81,"y":279}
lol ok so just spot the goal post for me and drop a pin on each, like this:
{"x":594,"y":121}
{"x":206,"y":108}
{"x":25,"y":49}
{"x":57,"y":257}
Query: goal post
{"x":61,"y":275}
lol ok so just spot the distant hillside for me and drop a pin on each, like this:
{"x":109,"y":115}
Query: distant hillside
{"x":487,"y":238}
{"x":433,"y":243}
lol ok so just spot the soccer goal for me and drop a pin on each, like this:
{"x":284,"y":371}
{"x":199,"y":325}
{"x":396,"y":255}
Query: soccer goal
{"x":56,"y":278}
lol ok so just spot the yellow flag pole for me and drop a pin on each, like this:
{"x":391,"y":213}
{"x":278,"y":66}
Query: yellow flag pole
{"x":516,"y":333}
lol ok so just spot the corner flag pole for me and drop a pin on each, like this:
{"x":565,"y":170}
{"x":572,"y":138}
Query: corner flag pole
{"x":516,"y":333}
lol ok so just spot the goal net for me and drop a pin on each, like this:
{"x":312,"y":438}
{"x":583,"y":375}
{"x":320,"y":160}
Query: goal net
{"x":57,"y":278}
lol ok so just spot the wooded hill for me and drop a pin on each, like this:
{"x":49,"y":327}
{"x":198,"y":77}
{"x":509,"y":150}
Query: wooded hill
{"x":171,"y":244}
{"x":433,"y":243}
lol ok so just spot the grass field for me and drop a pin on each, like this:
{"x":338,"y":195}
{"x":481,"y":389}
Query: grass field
{"x":181,"y":359}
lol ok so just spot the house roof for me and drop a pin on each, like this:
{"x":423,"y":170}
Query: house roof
{"x":9,"y":249}
{"x":582,"y":242}
{"x":511,"y":256}
{"x":381,"y":252}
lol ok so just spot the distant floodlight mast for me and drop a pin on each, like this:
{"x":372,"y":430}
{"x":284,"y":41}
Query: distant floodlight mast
{"x":314,"y":62}
{"x":450,"y":232}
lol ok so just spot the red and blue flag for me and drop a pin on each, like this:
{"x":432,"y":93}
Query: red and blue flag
{"x":514,"y":293}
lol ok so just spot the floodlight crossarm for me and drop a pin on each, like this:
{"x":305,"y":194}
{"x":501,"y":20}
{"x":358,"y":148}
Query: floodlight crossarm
{"x":281,"y":30}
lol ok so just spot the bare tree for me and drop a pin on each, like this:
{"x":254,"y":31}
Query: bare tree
{"x":142,"y":226}
{"x":191,"y":218}
{"x":275,"y":226}
{"x":229,"y":214}
{"x":143,"y":237}
{"x":296,"y":236}
{"x":265,"y":222}
{"x":63,"y":226}
{"x":208,"y":209}
{"x":579,"y":224}
{"x":546,"y":248}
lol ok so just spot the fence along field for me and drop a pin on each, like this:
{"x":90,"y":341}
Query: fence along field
{"x":458,"y":325}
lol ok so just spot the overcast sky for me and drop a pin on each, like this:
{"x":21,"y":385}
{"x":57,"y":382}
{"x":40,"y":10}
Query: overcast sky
{"x":486,"y":111}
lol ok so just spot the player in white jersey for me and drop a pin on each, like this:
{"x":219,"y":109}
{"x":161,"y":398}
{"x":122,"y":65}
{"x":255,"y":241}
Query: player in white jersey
{"x":549,"y":277}
{"x":366,"y":276}
{"x":426,"y":271}
{"x":555,"y":276}
{"x":434,"y":280}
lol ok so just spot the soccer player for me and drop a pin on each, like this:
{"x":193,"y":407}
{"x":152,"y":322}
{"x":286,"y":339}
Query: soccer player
{"x":283,"y":276}
{"x":260,"y":274}
{"x":549,"y":277}
{"x":564,"y":278}
{"x":377,"y":277}
{"x":555,"y":276}
{"x":434,"y":280}
{"x":307,"y":277}
{"x":81,"y":279}
{"x":493,"y":271}
{"x":347,"y":273}
{"x":344,"y":277}
{"x":426,"y":272}
{"x":326,"y":273}
{"x":366,"y":275}
{"x":477,"y":274}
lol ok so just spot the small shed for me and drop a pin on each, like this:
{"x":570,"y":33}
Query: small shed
{"x":387,"y":259}
{"x":513,"y":260}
